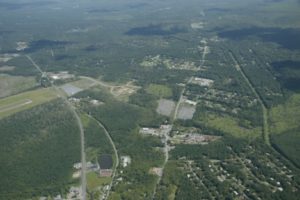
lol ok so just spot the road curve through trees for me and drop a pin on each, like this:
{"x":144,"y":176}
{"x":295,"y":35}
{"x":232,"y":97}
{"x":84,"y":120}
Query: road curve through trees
{"x":115,"y":151}
{"x":80,"y":126}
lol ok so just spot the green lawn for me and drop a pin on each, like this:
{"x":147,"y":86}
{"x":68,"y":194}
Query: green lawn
{"x":94,"y":181}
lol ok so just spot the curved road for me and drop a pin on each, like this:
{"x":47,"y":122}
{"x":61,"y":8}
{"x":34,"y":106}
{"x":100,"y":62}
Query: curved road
{"x":115,"y":151}
{"x":80,"y":126}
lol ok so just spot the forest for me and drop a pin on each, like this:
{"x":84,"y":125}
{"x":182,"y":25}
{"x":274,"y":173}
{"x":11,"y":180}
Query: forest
{"x":37,"y":156}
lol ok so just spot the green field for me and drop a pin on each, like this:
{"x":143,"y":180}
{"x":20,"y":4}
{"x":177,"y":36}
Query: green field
{"x":160,"y":91}
{"x":286,"y":116}
{"x":230,"y":125}
{"x":94,"y":181}
{"x":288,"y":144}
{"x":10,"y":85}
{"x":285,"y":128}
{"x":82,"y":83}
{"x":26,"y":100}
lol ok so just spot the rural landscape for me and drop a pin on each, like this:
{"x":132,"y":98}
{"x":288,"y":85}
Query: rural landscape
{"x":149,"y":100}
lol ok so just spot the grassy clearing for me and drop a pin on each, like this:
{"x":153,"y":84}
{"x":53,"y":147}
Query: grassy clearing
{"x":285,"y":128}
{"x":26,"y":100}
{"x":94,"y":181}
{"x":230,"y":125}
{"x":82,"y":83}
{"x":10,"y":85}
{"x":288,"y":144}
{"x":286,"y":116}
{"x":161,"y":91}
{"x":172,"y":192}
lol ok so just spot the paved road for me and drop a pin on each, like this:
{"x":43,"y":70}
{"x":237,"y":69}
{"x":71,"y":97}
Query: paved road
{"x":115,"y":151}
{"x":73,"y":110}
{"x":167,"y":134}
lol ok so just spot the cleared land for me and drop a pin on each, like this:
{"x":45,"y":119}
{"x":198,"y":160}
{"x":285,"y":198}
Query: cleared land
{"x":230,"y":125}
{"x":74,"y":87}
{"x":165,"y":107}
{"x":121,"y":92}
{"x":159,"y":90}
{"x":284,"y":121}
{"x":70,"y":89}
{"x":24,"y":101}
{"x":94,"y":181}
{"x":10,"y":85}
{"x":286,"y":116}
{"x":83,"y":83}
{"x":186,"y":111}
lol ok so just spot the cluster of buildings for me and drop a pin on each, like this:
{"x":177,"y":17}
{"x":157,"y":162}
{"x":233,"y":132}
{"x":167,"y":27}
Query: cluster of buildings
{"x":193,"y":138}
{"x":202,"y":81}
{"x":60,"y":75}
{"x":162,"y":130}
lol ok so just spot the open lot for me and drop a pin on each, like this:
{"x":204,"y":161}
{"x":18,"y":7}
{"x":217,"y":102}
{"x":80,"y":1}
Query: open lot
{"x":26,"y":100}
{"x":83,"y":83}
{"x":70,"y":89}
{"x":165,"y":107}
{"x":186,"y":111}
{"x":121,"y":92}
{"x":74,"y":87}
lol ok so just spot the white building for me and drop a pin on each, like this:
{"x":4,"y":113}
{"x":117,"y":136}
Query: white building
{"x":126,"y":160}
